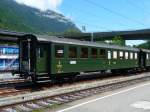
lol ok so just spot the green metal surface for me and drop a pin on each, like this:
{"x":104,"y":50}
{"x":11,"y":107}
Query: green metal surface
{"x":41,"y":62}
{"x":148,"y":62}
{"x":66,"y":65}
{"x":90,"y":65}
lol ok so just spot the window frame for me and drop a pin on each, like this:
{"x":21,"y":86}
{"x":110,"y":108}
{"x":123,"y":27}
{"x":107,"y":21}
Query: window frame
{"x":102,"y":56}
{"x":62,"y":53}
{"x":116,"y":54}
{"x":121,"y":56}
{"x":135,"y":55}
{"x":69,"y":52}
{"x":91,"y":54}
{"x":126,"y":55}
{"x":147,"y":56}
{"x":131,"y":55}
{"x":40,"y":54}
{"x":80,"y":55}
{"x":109,"y":57}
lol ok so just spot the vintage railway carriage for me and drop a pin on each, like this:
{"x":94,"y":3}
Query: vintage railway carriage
{"x":59,"y":57}
{"x":45,"y":58}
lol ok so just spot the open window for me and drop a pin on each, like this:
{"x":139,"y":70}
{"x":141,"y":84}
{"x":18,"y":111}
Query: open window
{"x":59,"y":51}
{"x":109,"y":54}
{"x":94,"y":53}
{"x":115,"y":55}
{"x":121,"y":55}
{"x":135,"y":56}
{"x":40,"y":52}
{"x":102,"y":53}
{"x":84,"y":52}
{"x":147,"y":56}
{"x":131,"y":55}
{"x":72,"y":52}
{"x":126,"y":55}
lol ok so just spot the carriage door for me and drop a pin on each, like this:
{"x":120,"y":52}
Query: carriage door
{"x":142,"y":59}
{"x":43,"y":60}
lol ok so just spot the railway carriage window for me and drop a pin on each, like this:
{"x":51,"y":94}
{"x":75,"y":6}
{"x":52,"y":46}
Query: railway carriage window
{"x":40,"y":52}
{"x":126,"y":55}
{"x":94,"y":53}
{"x":72,"y":52}
{"x":59,"y":51}
{"x":147,"y":56}
{"x":135,"y":56}
{"x":121,"y":54}
{"x":102,"y":53}
{"x":114,"y":54}
{"x":84,"y":52}
{"x":131,"y":55}
{"x":109,"y":54}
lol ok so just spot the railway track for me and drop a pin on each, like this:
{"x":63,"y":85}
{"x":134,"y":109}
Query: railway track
{"x":16,"y":87}
{"x":46,"y":100}
{"x":11,"y":87}
{"x":12,"y":82}
{"x":12,"y":92}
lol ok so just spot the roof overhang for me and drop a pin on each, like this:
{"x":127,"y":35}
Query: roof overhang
{"x":6,"y":35}
{"x":12,"y":36}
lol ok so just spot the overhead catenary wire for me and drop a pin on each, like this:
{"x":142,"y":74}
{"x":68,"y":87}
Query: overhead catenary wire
{"x":77,"y":10}
{"x":137,"y":6}
{"x":80,"y":22}
{"x":114,"y":12}
{"x":92,"y":25}
{"x":88,"y":24}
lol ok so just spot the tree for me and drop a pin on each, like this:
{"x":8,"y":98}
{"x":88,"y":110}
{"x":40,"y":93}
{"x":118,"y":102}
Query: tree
{"x":54,"y":33}
{"x":145,"y":45}
{"x":118,"y":40}
{"x":72,"y":31}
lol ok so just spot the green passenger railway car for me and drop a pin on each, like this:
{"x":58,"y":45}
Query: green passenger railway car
{"x":46,"y":58}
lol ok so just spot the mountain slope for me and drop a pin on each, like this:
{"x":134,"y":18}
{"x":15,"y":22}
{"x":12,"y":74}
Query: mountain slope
{"x":145,"y":45}
{"x":14,"y":16}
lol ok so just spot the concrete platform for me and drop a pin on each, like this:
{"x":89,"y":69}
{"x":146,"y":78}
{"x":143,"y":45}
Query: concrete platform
{"x":66,"y":89}
{"x":130,"y":99}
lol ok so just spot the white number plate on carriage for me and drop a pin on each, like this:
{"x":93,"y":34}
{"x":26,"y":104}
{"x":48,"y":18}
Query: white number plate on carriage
{"x":73,"y":62}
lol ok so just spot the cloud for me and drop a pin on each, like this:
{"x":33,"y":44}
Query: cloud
{"x":42,"y":4}
{"x":70,"y":16}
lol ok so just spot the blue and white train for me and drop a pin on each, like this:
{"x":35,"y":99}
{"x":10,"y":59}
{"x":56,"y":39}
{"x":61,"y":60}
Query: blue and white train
{"x":9,"y":58}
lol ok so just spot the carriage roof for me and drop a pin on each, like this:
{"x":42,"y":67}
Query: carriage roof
{"x":61,"y":40}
